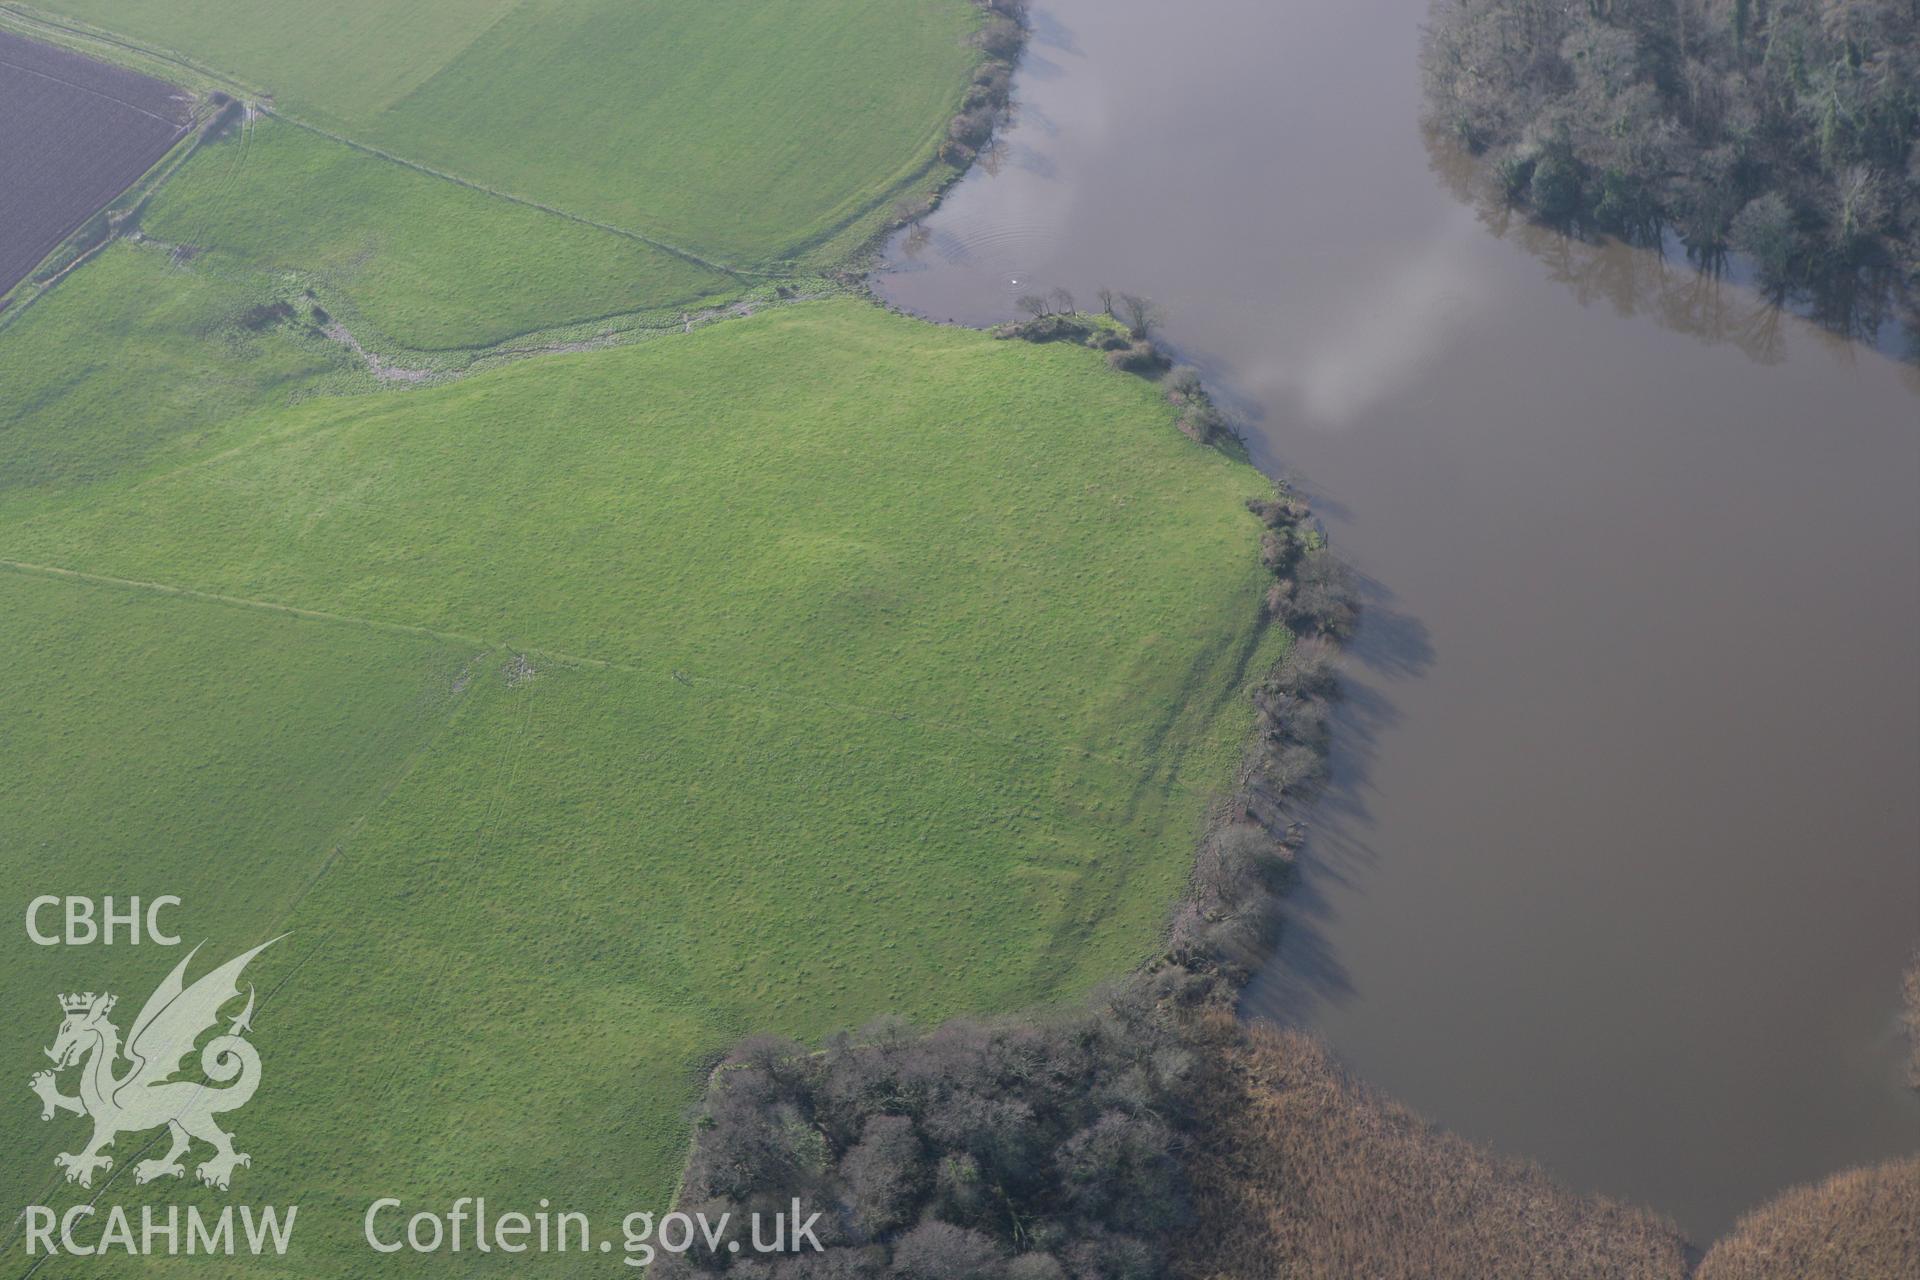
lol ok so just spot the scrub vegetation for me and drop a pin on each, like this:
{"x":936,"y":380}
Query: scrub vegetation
{"x":1910,"y":1017}
{"x":1863,"y":1224}
{"x":1301,"y":1171}
{"x":1296,"y":1169}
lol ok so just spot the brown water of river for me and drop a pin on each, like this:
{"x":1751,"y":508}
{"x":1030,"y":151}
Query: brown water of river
{"x":1622,"y":859}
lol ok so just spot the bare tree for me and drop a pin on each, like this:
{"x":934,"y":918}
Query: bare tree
{"x":1106,"y":299}
{"x":1002,"y":38}
{"x":1033,"y":304}
{"x":1140,"y":315}
{"x":1324,"y":599}
{"x":1062,"y":299}
{"x":971,"y":128}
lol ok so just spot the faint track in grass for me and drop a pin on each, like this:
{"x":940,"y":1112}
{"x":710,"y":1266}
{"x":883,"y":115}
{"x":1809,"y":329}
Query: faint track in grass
{"x":1039,"y":746}
{"x":336,"y":848}
{"x":227,"y":179}
{"x":240,"y":602}
{"x":38,"y":22}
{"x":685,"y":255}
{"x":261,"y":101}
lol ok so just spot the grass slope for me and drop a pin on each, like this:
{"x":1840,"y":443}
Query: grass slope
{"x":426,"y":263}
{"x":745,"y":132}
{"x":883,"y":513}
{"x":154,"y":744}
{"x":879,"y":668}
{"x":131,"y":362}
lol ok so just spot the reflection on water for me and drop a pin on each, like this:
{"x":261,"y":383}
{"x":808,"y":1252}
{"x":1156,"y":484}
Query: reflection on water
{"x":1373,"y":344}
{"x":1622,"y":858}
{"x":1720,"y":301}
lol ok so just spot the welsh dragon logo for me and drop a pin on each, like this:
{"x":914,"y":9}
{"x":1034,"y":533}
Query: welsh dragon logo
{"x":146,"y":1095}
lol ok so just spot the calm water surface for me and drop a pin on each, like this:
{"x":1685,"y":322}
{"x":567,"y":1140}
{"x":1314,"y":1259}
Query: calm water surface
{"x":1623,"y":857}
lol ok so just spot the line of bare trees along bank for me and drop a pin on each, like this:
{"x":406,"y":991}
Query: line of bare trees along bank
{"x":1059,"y":1143}
{"x":1145,"y":1133}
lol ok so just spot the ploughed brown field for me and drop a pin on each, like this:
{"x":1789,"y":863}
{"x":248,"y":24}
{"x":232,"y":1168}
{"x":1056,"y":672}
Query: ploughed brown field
{"x":74,"y":133}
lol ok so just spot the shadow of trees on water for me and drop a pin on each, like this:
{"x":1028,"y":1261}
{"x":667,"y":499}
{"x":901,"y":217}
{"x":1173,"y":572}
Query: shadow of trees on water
{"x":1720,"y":302}
{"x":1305,"y":972}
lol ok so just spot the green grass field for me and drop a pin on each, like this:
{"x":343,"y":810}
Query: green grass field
{"x":582,"y":714}
{"x":745,"y":133}
{"x":878,"y":668}
{"x":869,"y":474}
{"x":133,"y":361}
{"x":407,"y":259}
